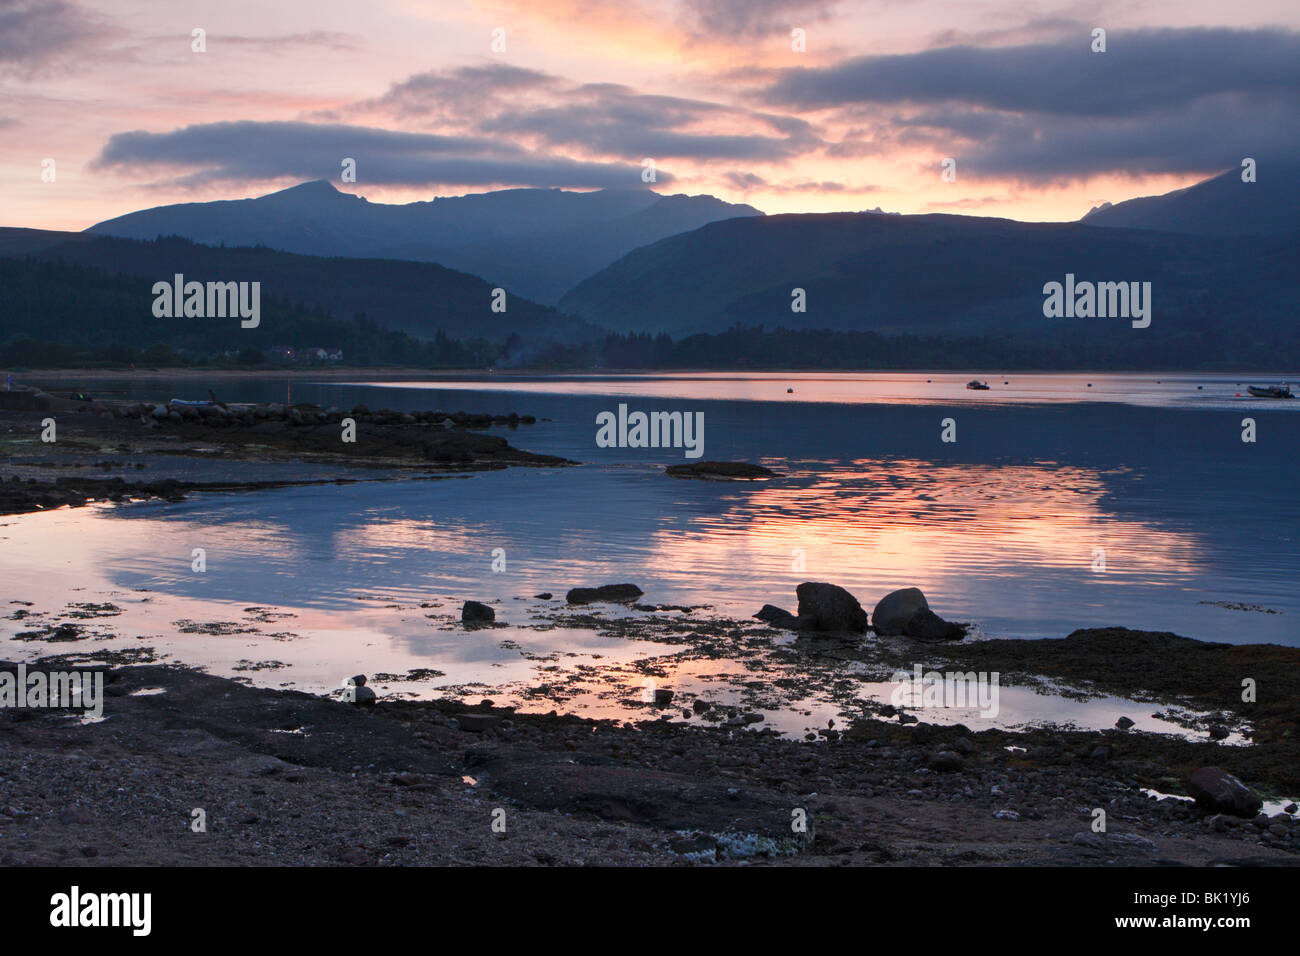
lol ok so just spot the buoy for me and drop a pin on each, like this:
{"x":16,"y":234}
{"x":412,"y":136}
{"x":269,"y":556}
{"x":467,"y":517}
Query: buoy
{"x":789,"y":391}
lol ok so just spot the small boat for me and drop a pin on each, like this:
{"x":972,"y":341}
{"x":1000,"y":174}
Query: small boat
{"x":976,"y":385}
{"x":1270,"y":391}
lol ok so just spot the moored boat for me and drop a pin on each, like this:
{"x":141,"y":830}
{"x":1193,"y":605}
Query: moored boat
{"x":977,"y":386}
{"x":1270,"y":391}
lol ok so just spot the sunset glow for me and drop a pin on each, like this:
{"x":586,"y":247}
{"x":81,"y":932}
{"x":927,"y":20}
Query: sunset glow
{"x":584,"y":92}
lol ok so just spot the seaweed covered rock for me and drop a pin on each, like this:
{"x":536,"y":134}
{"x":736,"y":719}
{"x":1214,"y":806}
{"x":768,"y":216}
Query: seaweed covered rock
{"x":611,"y":593}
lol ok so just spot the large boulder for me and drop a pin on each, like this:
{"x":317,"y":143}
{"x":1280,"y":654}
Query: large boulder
{"x":1217,"y":790}
{"x":896,"y":609}
{"x":828,"y":607}
{"x":907,"y":612}
{"x":612,"y":593}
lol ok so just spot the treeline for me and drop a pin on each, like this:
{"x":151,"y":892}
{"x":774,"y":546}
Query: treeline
{"x":754,"y":347}
{"x":61,"y":314}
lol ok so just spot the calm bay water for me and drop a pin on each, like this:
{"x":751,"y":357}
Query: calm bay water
{"x":1005,"y":527}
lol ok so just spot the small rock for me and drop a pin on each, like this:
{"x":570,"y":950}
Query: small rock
{"x":1218,"y":732}
{"x":1133,"y":840}
{"x":477,"y":723}
{"x":720,"y":470}
{"x":544,"y":596}
{"x":1124,"y":723}
{"x":612,"y":593}
{"x":700,"y":706}
{"x":1215,"y":789}
{"x":663,"y":697}
{"x":778,"y":617}
{"x":476,"y":613}
{"x":946,"y":761}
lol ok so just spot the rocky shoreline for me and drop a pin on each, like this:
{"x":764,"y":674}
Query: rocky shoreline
{"x":291,"y":778}
{"x":154,"y":446}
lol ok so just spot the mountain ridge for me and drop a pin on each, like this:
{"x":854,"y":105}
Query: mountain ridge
{"x":931,"y":274}
{"x":1222,"y":205}
{"x":537,"y":243}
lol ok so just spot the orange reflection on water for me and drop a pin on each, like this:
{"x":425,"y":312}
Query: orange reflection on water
{"x":886,"y":524}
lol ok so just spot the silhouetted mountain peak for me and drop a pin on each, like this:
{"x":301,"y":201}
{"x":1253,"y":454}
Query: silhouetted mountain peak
{"x":1223,"y":205}
{"x":315,"y":190}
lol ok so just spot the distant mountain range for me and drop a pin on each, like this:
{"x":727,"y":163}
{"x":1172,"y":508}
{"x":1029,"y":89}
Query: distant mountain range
{"x":536,"y":243}
{"x":1219,"y":256}
{"x":1226,"y":255}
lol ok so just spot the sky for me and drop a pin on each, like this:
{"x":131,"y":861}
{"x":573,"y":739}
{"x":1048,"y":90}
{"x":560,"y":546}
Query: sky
{"x":435,"y":99}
